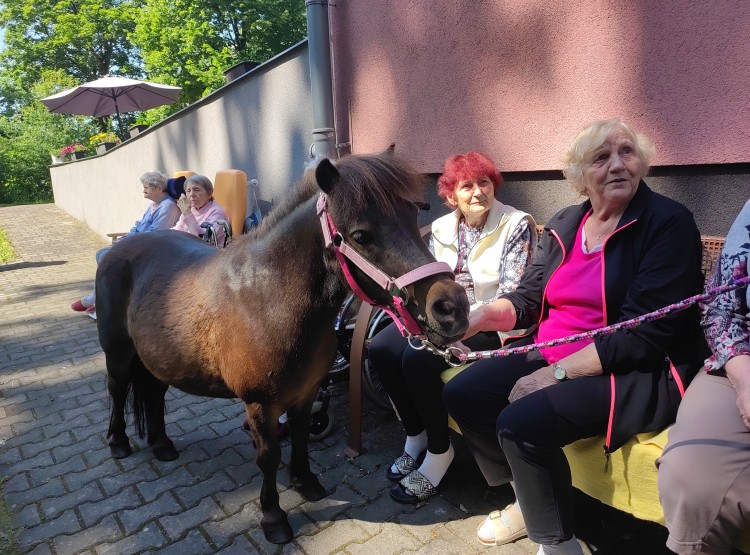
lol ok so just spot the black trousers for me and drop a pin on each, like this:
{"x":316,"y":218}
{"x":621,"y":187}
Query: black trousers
{"x":522,"y":441}
{"x":412,"y":380}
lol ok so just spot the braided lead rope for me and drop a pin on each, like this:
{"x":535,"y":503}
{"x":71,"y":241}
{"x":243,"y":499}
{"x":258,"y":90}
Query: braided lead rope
{"x":627,"y":324}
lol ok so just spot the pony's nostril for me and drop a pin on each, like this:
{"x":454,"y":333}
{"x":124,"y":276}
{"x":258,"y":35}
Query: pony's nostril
{"x":444,"y":308}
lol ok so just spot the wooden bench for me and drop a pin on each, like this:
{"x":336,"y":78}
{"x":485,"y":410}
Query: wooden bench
{"x":629,"y":484}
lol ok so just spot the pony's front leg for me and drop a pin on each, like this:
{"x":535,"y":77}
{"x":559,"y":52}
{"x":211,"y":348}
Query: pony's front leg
{"x":303,"y":480}
{"x":119,"y":445}
{"x":263,"y":424}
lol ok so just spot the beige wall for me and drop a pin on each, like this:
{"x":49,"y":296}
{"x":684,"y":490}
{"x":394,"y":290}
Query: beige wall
{"x":260,"y":123}
{"x":519,"y":78}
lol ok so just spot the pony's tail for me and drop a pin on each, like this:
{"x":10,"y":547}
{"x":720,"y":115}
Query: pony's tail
{"x":137,"y":402}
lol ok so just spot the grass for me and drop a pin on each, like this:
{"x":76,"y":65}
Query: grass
{"x":7,"y":253}
{"x":8,"y":534}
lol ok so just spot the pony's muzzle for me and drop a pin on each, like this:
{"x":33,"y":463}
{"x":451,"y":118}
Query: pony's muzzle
{"x":447,"y":312}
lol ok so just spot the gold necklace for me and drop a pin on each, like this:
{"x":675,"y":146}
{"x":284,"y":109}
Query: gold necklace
{"x":607,"y":231}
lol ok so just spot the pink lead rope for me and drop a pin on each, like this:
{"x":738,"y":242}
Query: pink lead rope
{"x":627,"y":324}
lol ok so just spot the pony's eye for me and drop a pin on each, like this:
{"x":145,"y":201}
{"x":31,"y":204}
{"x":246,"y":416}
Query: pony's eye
{"x":361,"y":237}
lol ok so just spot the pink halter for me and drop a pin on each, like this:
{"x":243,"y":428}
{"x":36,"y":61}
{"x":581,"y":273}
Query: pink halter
{"x":394,"y":286}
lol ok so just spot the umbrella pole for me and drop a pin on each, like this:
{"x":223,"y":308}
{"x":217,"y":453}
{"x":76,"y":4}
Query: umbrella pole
{"x":119,"y":121}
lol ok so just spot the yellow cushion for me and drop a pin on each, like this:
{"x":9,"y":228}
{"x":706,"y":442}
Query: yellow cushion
{"x":630,"y":481}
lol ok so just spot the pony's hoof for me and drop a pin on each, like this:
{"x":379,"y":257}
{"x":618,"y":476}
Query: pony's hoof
{"x":277,"y":532}
{"x":311,"y":489}
{"x":120,"y":451}
{"x":165,"y":452}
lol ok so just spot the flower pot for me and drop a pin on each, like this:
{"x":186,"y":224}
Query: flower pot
{"x":57,"y":159}
{"x":77,"y":155}
{"x":104,"y":147}
{"x":136,"y":129}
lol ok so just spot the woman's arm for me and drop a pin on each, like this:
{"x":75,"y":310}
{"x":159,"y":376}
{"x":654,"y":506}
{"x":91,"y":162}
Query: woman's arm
{"x":580,"y":364}
{"x":516,"y":257}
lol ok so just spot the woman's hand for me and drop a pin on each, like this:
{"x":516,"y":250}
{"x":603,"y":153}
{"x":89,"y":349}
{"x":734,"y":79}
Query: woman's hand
{"x":499,"y":315}
{"x":183,"y":204}
{"x":535,"y":381}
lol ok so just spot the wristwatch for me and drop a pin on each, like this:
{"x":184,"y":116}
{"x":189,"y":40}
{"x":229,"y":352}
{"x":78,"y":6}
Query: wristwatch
{"x":559,"y":372}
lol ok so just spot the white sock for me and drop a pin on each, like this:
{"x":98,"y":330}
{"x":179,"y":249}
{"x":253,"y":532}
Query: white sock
{"x":435,"y":466}
{"x":89,"y":299}
{"x":570,"y":547}
{"x":414,"y":446}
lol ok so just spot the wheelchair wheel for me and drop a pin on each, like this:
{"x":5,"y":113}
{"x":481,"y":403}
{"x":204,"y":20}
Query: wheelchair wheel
{"x":371,"y":385}
{"x":321,"y":422}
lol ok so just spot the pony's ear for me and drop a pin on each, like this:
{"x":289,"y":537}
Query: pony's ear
{"x":391,"y":148}
{"x":326,"y":175}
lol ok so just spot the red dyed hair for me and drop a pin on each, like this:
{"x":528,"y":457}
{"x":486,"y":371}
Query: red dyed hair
{"x":467,"y":166}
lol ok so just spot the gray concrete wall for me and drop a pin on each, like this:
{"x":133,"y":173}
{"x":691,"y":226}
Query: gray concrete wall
{"x":260,"y":123}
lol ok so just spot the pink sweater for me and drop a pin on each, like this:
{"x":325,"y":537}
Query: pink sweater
{"x":210,"y":212}
{"x":574,"y":294}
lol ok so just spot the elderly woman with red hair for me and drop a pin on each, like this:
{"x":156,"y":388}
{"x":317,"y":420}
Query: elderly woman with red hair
{"x":488,"y":244}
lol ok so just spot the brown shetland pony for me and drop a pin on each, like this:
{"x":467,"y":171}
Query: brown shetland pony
{"x":255,"y":320}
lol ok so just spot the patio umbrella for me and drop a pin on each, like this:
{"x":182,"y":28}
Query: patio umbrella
{"x":111,"y":95}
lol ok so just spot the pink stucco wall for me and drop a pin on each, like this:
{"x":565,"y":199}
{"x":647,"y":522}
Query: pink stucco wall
{"x":519,"y":78}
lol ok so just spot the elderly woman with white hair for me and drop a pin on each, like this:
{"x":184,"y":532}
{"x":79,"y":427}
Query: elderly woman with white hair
{"x":624,"y":252}
{"x":162,"y":213}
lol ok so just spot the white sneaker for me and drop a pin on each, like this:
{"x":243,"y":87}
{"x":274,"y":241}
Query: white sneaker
{"x":91,"y":315}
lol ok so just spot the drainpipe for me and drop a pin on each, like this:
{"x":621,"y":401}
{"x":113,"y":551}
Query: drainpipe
{"x":319,"y":49}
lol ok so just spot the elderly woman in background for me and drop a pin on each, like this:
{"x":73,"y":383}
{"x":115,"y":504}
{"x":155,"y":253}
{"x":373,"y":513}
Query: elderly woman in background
{"x":704,"y":472}
{"x":488,"y":244}
{"x":198,"y":206}
{"x":162,"y":213}
{"x":624,"y":252}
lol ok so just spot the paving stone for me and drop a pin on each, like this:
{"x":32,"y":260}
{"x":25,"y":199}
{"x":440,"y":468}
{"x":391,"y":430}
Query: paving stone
{"x":147,"y":537}
{"x":391,"y":538}
{"x":40,"y":549}
{"x":151,"y":490}
{"x":106,"y":530}
{"x":90,"y":445}
{"x":76,"y":480}
{"x":115,"y":482}
{"x":53,"y":506}
{"x":329,"y":507}
{"x":133,"y":519}
{"x":240,"y":546}
{"x":26,"y":517}
{"x":233,"y":500}
{"x":177,"y":525}
{"x":221,"y":532}
{"x":190,"y":495}
{"x":16,"y":483}
{"x":333,"y":538}
{"x":193,"y":544}
{"x":93,"y":512}
{"x":206,"y":468}
{"x":64,"y":524}
{"x":32,"y":449}
{"x":17,"y":500}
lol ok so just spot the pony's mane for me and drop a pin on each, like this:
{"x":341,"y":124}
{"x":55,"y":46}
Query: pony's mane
{"x":374,"y":178}
{"x":379,"y":179}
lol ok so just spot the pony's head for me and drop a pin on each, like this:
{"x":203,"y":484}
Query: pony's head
{"x":373,"y":204}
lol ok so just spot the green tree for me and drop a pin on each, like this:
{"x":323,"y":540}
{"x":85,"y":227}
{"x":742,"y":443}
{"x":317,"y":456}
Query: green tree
{"x":28,"y":137}
{"x":86,"y":38}
{"x":212,"y":35}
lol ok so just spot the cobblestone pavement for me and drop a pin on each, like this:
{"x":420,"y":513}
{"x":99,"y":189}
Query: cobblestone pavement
{"x":66,"y":495}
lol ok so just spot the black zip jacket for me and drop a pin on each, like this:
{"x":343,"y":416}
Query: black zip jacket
{"x":652,"y":259}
